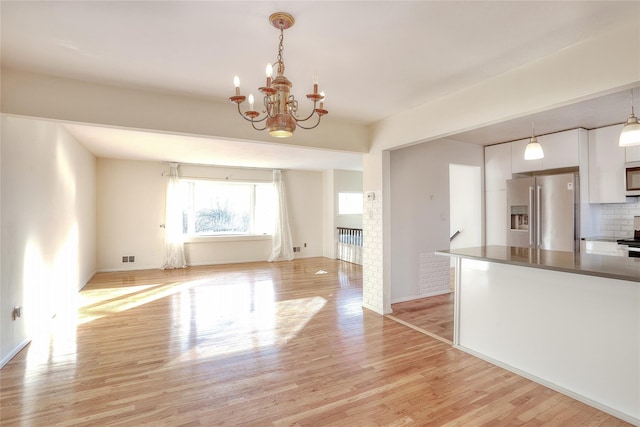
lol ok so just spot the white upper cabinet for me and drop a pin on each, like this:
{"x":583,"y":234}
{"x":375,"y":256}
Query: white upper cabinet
{"x":497,"y":170}
{"x":606,"y":166}
{"x":561,"y":150}
{"x":497,"y":166}
{"x":632,"y":154}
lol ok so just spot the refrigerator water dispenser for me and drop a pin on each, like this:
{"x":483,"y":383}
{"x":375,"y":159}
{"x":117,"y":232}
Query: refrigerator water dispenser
{"x":519,"y":218}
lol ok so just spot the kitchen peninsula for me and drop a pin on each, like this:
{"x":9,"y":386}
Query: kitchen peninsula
{"x":570,"y":321}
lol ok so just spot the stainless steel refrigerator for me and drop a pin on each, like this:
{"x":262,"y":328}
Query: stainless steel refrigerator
{"x":543,"y":212}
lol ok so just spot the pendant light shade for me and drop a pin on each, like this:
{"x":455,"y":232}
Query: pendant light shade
{"x":630,"y":134}
{"x":533,"y":150}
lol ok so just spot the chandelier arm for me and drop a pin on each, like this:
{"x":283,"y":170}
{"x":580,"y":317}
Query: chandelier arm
{"x":306,"y":118}
{"x":312,"y":127}
{"x":251,"y":120}
{"x":253,"y":124}
{"x":267,"y":103}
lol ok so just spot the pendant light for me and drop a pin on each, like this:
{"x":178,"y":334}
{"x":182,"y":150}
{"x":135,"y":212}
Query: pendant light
{"x":630,"y":134}
{"x":533,"y":151}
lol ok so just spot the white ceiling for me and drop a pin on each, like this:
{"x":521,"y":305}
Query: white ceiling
{"x":374,"y":59}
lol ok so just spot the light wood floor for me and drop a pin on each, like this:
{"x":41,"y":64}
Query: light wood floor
{"x":259,"y":344}
{"x":433,"y":315}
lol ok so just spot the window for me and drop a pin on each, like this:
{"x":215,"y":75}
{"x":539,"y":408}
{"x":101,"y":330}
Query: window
{"x":226,"y":208}
{"x":350,"y":203}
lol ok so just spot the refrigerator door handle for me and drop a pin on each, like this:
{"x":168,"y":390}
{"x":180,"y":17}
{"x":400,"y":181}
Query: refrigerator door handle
{"x":531,"y":224}
{"x":538,"y":219}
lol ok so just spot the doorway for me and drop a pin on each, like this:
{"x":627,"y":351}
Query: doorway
{"x":434,"y":315}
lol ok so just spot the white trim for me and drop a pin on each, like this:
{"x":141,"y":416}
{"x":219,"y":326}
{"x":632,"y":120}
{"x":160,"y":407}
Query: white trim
{"x":457,"y":280}
{"x":13,"y":352}
{"x":414,"y":297}
{"x":555,"y":387}
{"x":226,"y":238}
{"x":138,"y":267}
{"x":372,"y":308}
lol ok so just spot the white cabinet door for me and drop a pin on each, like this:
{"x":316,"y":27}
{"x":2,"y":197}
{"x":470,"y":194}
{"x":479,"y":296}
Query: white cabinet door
{"x":632,"y":153}
{"x":496,"y":217}
{"x":561,"y":150}
{"x":606,"y":166}
{"x":497,"y":166}
{"x":497,"y":170}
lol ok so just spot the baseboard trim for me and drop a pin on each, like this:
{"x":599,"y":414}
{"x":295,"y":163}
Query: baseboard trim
{"x":13,"y":352}
{"x":431,"y":294}
{"x":372,"y":308}
{"x":572,"y":394}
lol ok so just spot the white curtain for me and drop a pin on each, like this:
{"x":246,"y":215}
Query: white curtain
{"x":282,"y":246}
{"x":173,"y":237}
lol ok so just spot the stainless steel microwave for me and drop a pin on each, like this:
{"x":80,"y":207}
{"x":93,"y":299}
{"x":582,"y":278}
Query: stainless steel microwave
{"x":632,"y":178}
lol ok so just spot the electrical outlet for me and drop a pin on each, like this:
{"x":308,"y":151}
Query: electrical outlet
{"x":296,"y":249}
{"x":125,"y":259}
{"x":17,"y":312}
{"x":132,"y":258}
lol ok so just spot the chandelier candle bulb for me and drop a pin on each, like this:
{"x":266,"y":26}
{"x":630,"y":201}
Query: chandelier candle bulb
{"x":315,"y":83}
{"x":251,"y":99}
{"x":236,"y":83}
{"x":269,"y":73}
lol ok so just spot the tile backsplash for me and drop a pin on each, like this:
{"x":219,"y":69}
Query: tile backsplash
{"x":616,"y":220}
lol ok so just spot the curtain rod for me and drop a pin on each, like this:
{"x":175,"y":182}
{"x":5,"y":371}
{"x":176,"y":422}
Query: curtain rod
{"x":224,"y":167}
{"x":225,"y":179}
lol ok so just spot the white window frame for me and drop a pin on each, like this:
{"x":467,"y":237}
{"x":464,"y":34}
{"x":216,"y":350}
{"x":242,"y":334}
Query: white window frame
{"x":192,"y":237}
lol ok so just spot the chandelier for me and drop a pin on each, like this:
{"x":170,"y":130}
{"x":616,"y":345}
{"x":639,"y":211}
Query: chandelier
{"x":280,"y":112}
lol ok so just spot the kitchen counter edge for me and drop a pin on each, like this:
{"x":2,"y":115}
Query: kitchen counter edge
{"x":611,"y":267}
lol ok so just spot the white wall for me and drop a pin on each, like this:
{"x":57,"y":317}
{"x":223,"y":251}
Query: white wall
{"x":130,"y":199}
{"x":329,"y":214}
{"x":419,"y":201}
{"x":48,"y":226}
{"x":304,"y":198}
{"x":131,"y":203}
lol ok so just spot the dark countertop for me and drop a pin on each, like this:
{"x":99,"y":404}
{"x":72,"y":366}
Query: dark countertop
{"x":612,"y":267}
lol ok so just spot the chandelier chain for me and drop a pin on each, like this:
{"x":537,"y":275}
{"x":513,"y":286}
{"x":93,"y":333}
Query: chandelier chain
{"x":280,"y":49}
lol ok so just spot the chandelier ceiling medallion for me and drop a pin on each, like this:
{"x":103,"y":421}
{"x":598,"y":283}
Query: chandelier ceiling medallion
{"x":280,"y":107}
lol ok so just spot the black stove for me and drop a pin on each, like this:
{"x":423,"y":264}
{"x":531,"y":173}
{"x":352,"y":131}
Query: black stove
{"x":632,"y":249}
{"x":635,"y":243}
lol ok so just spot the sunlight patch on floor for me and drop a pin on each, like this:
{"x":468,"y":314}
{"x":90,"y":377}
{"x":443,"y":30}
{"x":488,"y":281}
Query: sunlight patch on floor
{"x":233,"y":332}
{"x":95,"y":304}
